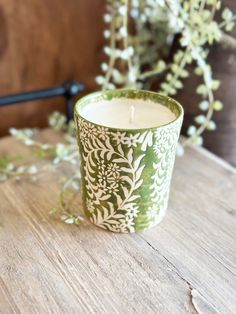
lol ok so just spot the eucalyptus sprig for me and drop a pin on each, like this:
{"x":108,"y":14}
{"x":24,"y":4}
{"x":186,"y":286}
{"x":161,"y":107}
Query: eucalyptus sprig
{"x":147,"y":52}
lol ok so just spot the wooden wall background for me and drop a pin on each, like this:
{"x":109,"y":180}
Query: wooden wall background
{"x":44,"y":42}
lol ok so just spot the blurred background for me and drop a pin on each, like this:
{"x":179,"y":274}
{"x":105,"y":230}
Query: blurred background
{"x":43,"y":43}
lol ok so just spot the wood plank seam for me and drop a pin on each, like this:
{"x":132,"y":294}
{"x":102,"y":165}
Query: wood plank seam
{"x":192,"y":291}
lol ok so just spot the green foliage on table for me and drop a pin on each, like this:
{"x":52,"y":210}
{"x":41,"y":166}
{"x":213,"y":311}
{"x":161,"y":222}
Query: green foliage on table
{"x":32,"y":165}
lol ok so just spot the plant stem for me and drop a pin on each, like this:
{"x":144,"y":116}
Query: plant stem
{"x":126,"y":27}
{"x":202,"y":128}
{"x":112,"y":46}
{"x":181,"y":66}
{"x":148,"y":74}
{"x":209,"y":115}
{"x":213,"y":11}
{"x":203,"y":3}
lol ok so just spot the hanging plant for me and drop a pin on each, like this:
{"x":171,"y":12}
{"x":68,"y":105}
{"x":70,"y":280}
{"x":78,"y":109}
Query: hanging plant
{"x":142,"y":39}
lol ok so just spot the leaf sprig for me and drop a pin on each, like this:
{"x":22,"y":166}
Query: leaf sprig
{"x":146,"y":52}
{"x":20,"y":167}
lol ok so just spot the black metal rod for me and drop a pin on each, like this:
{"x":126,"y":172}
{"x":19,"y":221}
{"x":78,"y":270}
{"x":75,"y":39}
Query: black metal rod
{"x":29,"y":96}
{"x":69,"y":109}
{"x":68,"y":90}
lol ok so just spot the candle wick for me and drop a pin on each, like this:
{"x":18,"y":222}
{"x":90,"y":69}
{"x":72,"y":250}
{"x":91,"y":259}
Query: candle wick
{"x":131,"y":114}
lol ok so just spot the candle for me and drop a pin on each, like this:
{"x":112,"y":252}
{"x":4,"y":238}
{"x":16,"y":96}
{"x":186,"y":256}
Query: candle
{"x":127,"y":141}
{"x":120,"y":112}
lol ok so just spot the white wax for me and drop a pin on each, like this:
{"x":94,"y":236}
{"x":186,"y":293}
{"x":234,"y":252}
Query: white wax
{"x":126,"y":113}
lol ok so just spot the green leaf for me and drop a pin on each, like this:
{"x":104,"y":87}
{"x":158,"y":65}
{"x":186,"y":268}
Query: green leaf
{"x":200,"y":119}
{"x":229,"y":27}
{"x":218,"y":105}
{"x":198,"y":141}
{"x":183,"y":73}
{"x":53,"y":210}
{"x":69,"y":220}
{"x":204,"y":105}
{"x":188,"y":58}
{"x":202,"y":90}
{"x":227,"y":14}
{"x":211,"y":126}
{"x":172,"y":91}
{"x":218,"y":5}
{"x":161,"y":66}
{"x":178,"y":84}
{"x":175,"y":67}
{"x":198,"y":71}
{"x":215,"y":84}
{"x":191,"y":130}
{"x":169,"y":77}
{"x":178,"y":56}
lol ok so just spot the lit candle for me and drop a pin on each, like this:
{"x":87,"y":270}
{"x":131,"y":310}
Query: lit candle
{"x":127,"y":140}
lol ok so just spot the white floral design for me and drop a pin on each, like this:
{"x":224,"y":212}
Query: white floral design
{"x":103,"y":133}
{"x":126,"y":224}
{"x":113,"y":170}
{"x":87,"y":131}
{"x":111,"y":174}
{"x":90,"y":205}
{"x":165,"y":145}
{"x":108,"y":177}
{"x":113,"y":164}
{"x":132,"y":211}
{"x":132,"y":140}
{"x":119,"y":137}
{"x":152,"y":212}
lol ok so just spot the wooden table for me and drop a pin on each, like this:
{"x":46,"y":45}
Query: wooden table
{"x":185,"y":265}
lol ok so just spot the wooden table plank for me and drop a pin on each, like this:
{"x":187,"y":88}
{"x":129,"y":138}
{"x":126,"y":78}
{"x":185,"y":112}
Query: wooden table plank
{"x":201,"y":229}
{"x":94,"y":264}
{"x":185,"y":265}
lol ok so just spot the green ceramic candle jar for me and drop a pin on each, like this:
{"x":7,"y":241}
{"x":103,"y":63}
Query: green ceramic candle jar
{"x":127,"y":141}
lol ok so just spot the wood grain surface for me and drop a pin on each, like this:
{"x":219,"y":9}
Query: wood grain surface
{"x":184,"y":265}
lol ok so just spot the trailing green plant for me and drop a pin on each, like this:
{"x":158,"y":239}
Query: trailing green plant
{"x":65,"y":152}
{"x":142,"y":36}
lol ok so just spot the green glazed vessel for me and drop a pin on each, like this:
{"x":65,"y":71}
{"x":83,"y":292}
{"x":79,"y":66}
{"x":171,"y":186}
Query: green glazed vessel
{"x":126,"y":173}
